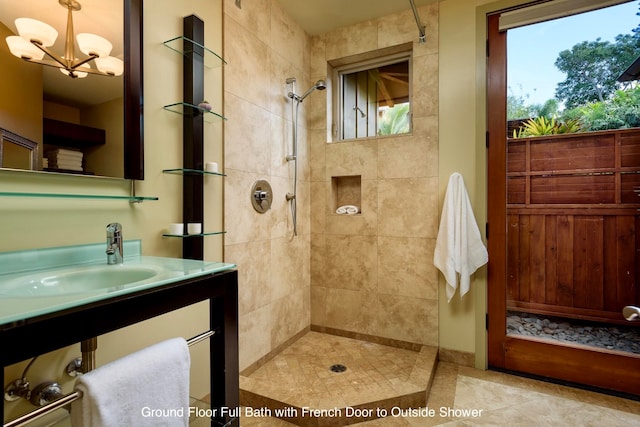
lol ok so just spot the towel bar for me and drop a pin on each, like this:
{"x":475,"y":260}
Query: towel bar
{"x":72,"y":397}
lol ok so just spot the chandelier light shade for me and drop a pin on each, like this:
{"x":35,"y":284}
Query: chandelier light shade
{"x":36,"y":31}
{"x":110,"y":65}
{"x":91,"y":44}
{"x":23,"y":49}
{"x":35,"y":38}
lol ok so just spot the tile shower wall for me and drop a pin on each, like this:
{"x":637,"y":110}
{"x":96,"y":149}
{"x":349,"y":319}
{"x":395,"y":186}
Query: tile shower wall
{"x":373,"y":273}
{"x":263,"y":47}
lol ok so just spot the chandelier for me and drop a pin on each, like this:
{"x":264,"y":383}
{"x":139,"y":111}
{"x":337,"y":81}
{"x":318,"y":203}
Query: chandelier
{"x":36,"y":37}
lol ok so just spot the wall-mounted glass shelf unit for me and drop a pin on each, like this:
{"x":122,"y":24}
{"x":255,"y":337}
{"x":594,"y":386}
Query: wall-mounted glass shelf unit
{"x":183,"y":171}
{"x":190,"y":110}
{"x":134,"y":199}
{"x":185,"y":236}
{"x":184,"y":45}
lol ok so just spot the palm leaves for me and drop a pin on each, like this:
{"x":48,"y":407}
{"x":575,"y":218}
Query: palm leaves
{"x":543,"y":126}
{"x":394,"y":120}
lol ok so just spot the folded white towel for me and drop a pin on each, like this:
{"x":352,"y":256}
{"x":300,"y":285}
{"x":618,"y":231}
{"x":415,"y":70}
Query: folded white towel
{"x":67,"y":167}
{"x":66,"y":152}
{"x":67,"y":157}
{"x":154,"y":380}
{"x":67,"y":163}
{"x":459,"y":248}
{"x":347,"y":210}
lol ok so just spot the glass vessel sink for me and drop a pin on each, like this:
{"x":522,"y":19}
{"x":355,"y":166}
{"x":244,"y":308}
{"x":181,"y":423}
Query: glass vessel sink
{"x":77,"y":280}
{"x":43,"y":281}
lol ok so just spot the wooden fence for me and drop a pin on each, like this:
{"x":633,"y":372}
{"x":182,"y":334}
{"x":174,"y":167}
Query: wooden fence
{"x":573,"y":224}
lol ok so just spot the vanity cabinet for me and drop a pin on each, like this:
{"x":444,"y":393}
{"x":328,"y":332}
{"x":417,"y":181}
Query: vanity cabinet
{"x":21,"y":340}
{"x":70,"y":135}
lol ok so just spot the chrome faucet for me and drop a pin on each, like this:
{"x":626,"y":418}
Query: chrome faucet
{"x":114,"y":243}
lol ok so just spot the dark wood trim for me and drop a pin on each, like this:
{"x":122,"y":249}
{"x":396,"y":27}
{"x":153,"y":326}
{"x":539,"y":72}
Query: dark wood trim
{"x":31,"y":337}
{"x":497,"y":189}
{"x":588,"y":209}
{"x":576,"y":364}
{"x":193,"y":134}
{"x":606,"y":369}
{"x":65,"y":134}
{"x":133,"y":91}
{"x":569,"y":312}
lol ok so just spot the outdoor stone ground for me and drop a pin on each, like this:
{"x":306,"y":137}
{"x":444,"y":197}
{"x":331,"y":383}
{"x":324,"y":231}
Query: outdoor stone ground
{"x":618,"y":337}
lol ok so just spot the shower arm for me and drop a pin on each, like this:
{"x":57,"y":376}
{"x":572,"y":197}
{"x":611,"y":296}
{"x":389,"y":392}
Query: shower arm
{"x":421,"y":27}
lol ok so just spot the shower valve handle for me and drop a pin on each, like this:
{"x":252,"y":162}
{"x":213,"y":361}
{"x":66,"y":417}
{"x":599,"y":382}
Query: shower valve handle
{"x":263,"y":198}
{"x":260,"y":195}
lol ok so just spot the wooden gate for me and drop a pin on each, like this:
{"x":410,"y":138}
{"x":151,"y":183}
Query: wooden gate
{"x":573,"y":224}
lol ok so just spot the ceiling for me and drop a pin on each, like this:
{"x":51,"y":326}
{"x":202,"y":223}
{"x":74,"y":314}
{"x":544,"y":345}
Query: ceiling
{"x":314,"y":16}
{"x":320,"y":16}
{"x":96,"y":16}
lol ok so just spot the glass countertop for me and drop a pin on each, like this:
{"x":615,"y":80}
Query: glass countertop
{"x":21,"y":269}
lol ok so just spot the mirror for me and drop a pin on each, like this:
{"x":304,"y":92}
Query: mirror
{"x":94,"y":121}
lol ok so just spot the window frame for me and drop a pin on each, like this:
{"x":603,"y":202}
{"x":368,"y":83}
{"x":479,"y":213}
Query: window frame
{"x":363,"y":65}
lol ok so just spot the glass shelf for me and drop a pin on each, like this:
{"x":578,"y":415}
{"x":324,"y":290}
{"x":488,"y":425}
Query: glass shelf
{"x":185,"y":236}
{"x":78,"y":196}
{"x":190,"y":110}
{"x":183,"y":171}
{"x":184,"y":45}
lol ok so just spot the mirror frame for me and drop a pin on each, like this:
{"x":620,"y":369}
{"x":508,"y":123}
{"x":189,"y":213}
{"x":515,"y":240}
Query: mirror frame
{"x":133,"y":91}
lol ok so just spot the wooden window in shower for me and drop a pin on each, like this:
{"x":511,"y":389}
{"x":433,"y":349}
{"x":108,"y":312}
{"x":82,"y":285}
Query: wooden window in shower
{"x":374,"y":97}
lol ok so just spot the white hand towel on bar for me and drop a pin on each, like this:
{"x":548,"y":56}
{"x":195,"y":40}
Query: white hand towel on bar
{"x":147,"y":388}
{"x":459,"y":248}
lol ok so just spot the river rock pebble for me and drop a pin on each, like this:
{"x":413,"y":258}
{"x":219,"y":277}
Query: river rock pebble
{"x":622,"y":338}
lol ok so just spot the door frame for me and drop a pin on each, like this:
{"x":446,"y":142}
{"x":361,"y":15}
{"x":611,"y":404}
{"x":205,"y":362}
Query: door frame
{"x":559,"y":361}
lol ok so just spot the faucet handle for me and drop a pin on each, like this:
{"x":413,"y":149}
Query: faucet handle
{"x":114,"y":228}
{"x":114,"y":243}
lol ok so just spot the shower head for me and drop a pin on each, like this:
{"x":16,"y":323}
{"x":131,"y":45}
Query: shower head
{"x":320,"y":85}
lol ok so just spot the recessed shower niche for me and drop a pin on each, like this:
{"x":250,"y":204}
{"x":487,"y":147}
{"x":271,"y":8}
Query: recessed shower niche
{"x":346,"y":190}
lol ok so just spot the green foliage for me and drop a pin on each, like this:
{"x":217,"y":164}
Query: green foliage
{"x":394,"y":120}
{"x":593,"y":98}
{"x":517,"y":107}
{"x":535,"y":127}
{"x":543,"y":126}
{"x":592,"y":69}
{"x":549,"y":109}
{"x":622,"y":110}
{"x":569,"y":126}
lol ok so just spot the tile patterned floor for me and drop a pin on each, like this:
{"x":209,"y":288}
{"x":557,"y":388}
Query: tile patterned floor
{"x":377,"y":376}
{"x":498,"y":399}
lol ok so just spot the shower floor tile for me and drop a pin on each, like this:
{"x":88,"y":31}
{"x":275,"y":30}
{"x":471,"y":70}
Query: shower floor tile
{"x":505,"y":400}
{"x":299,"y":381}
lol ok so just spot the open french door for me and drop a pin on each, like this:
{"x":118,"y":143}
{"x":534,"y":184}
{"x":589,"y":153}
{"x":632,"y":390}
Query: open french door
{"x":563,"y":361}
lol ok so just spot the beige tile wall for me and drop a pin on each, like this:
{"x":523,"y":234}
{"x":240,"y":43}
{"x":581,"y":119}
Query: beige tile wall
{"x":263,"y":47}
{"x":370,"y":273}
{"x":373,"y":273}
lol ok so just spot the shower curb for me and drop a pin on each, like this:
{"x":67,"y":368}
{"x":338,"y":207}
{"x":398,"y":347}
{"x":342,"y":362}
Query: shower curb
{"x":266,"y":398}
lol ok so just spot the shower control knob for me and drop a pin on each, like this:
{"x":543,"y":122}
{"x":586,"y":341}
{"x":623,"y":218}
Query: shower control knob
{"x":261,"y":196}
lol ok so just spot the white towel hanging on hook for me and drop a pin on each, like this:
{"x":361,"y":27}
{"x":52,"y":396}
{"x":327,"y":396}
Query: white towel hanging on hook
{"x":459,"y":248}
